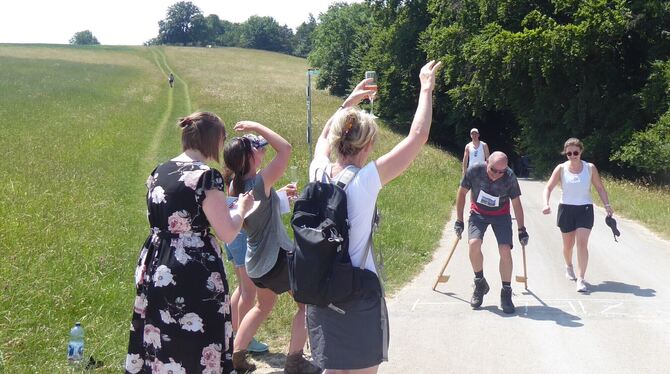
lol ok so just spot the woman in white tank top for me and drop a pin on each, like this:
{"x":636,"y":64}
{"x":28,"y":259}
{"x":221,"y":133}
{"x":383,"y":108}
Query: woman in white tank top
{"x":475,"y":152}
{"x":575,"y":211}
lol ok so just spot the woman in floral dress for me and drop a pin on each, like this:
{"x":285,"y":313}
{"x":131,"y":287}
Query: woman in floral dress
{"x":181,"y":319}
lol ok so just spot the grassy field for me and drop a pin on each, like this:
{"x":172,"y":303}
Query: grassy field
{"x":648,"y":205}
{"x":82,"y":128}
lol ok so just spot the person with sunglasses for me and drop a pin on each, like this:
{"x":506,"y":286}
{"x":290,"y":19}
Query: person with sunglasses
{"x":575,"y":210}
{"x":493,"y":188}
{"x":267,"y":242}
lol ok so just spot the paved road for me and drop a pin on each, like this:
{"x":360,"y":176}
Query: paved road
{"x":621,"y":326}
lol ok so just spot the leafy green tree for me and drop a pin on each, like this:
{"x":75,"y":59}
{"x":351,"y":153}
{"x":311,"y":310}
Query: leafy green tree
{"x":231,"y":35}
{"x":303,"y":37}
{"x":337,"y":42}
{"x":265,"y":33}
{"x":84,"y":38}
{"x":181,"y":20}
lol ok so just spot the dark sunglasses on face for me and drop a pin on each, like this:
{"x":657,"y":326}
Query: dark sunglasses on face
{"x":569,"y":154}
{"x":496,"y":171}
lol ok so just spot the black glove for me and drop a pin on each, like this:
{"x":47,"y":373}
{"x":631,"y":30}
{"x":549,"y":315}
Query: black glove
{"x":523,"y":236}
{"x":458,"y":228}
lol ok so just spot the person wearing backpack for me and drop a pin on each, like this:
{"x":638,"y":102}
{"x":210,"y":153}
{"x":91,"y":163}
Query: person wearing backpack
{"x":351,"y":336}
{"x":267,"y":242}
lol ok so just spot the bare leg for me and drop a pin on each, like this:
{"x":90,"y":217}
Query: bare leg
{"x":505,"y":265}
{"x":568,"y":243}
{"x":298,"y":331}
{"x":254,"y":318}
{"x":582,"y":250}
{"x":476,"y":256}
{"x":246,"y":295}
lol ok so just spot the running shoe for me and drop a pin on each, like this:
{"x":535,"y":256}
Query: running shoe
{"x":581,"y":285}
{"x":570,"y":273}
{"x":257,"y":347}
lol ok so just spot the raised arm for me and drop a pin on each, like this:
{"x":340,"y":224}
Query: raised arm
{"x":401,"y":156}
{"x":546,"y":193}
{"x":278,"y":165}
{"x":598,"y":184}
{"x":360,"y":92}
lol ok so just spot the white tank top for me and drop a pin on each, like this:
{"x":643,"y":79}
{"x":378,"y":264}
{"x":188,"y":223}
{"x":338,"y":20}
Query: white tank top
{"x":576,"y":187}
{"x":476,"y":155}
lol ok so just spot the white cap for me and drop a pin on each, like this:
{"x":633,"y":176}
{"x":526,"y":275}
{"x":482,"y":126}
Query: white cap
{"x":474,"y":129}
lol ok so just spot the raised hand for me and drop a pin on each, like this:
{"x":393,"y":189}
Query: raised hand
{"x":427,"y":74}
{"x":360,"y":92}
{"x":246,"y":126}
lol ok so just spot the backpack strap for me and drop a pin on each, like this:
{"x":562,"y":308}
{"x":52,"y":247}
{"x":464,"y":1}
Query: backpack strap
{"x":346,"y":176}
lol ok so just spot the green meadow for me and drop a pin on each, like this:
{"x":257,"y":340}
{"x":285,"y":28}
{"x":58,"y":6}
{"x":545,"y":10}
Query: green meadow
{"x":81,"y":129}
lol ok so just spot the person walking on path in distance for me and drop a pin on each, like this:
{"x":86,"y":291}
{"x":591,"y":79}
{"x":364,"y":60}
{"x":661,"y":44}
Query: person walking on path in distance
{"x":267,"y":243}
{"x":181,"y":318}
{"x":171,"y":79}
{"x":493,"y":186}
{"x":575,"y":210}
{"x":475,"y":152}
{"x":353,"y":342}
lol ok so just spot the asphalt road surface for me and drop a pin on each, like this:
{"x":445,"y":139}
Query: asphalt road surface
{"x":621,"y":326}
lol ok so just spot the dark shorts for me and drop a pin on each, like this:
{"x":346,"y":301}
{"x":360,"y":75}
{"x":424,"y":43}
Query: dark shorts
{"x":502,"y":227}
{"x":277,"y":278}
{"x":349,"y":341}
{"x":572,"y":217}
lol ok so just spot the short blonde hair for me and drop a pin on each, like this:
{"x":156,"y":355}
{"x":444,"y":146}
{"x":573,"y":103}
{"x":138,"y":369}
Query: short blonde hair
{"x":352,"y":130}
{"x":573,"y":142}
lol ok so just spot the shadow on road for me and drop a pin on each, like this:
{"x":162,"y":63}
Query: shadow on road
{"x":453,"y":296}
{"x":618,"y":287}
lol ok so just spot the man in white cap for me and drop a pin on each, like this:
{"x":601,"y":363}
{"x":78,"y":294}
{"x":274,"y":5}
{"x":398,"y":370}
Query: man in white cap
{"x":475,"y":152}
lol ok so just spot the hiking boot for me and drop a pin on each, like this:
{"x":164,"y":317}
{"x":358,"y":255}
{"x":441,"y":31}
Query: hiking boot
{"x":506,"y":300}
{"x":481,"y":289}
{"x":297,"y":364}
{"x":240,"y":363}
{"x":581,"y":285}
{"x":570,"y":273}
{"x":257,"y":347}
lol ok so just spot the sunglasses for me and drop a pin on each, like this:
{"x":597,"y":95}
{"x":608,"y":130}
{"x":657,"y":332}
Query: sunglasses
{"x":498,"y":171}
{"x":569,"y":154}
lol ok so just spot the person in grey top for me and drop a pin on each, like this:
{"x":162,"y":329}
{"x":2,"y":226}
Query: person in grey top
{"x":268,"y":241}
{"x":493,"y":188}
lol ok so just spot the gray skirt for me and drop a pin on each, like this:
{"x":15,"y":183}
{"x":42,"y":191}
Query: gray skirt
{"x":349,"y":341}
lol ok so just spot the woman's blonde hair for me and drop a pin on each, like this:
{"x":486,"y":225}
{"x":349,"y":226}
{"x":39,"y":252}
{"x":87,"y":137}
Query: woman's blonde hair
{"x":573,"y":142}
{"x":352,"y":130}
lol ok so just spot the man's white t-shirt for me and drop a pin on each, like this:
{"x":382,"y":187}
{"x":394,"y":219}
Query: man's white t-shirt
{"x":362,"y":193}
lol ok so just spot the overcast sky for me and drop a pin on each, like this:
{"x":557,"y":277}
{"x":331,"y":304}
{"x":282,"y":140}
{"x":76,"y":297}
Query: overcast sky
{"x":131,"y":22}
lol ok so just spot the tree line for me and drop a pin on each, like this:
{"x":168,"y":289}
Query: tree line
{"x":528,"y":73}
{"x":185,"y":24}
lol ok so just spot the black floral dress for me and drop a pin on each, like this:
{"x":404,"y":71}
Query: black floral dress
{"x":181,"y":320}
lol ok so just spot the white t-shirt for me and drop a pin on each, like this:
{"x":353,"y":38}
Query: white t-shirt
{"x":362,"y":193}
{"x":476,"y":155}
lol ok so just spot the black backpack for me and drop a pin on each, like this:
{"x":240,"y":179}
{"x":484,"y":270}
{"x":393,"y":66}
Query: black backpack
{"x":320,"y":269}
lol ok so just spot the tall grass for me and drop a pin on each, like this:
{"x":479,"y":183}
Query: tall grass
{"x":648,"y":205}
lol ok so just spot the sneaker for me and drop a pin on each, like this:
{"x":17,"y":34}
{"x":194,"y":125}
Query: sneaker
{"x":581,"y":285}
{"x":296,"y":363}
{"x":240,"y":363}
{"x":481,"y":289}
{"x":506,"y":300}
{"x":570,"y":273}
{"x":257,"y":347}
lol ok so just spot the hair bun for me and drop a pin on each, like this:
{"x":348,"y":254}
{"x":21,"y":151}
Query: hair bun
{"x":185,"y":121}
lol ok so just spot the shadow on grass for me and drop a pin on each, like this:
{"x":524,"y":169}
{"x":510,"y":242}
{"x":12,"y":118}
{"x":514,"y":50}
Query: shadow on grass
{"x":619,"y":287}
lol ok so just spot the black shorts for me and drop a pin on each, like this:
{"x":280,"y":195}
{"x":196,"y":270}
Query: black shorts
{"x":502,"y":227}
{"x":572,"y":217}
{"x":277,"y":278}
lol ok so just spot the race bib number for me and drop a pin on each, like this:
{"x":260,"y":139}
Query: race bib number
{"x":488,"y":200}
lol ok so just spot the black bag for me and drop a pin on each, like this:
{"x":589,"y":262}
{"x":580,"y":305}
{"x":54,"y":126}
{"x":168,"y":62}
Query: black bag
{"x":320,"y":269}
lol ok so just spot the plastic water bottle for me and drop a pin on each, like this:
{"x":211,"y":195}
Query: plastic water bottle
{"x":75,"y":349}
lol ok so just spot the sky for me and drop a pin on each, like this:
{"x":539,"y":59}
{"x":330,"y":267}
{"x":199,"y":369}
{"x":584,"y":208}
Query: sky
{"x":131,"y":22}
